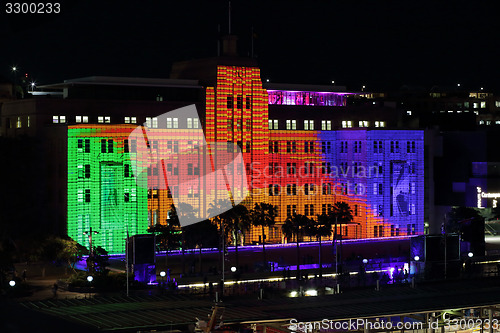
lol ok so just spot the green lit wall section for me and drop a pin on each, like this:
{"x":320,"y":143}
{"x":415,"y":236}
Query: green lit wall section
{"x":103,"y":193}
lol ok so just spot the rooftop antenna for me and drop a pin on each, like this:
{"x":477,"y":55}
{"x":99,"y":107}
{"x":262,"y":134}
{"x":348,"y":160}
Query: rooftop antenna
{"x":229,"y":17}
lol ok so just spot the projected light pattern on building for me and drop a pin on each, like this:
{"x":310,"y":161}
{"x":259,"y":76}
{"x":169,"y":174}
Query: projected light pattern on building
{"x":378,"y":172}
{"x":286,"y":97}
{"x":103,"y":193}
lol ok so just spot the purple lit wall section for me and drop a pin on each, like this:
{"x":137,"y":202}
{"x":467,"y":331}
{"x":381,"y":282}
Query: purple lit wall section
{"x":286,"y":97}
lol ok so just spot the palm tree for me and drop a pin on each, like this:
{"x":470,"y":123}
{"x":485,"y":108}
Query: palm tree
{"x":264,"y":215}
{"x":221,"y":216}
{"x":201,"y":234}
{"x":295,"y":226}
{"x":322,"y":228}
{"x":239,"y":221}
{"x":168,"y":236}
{"x":341,"y":213}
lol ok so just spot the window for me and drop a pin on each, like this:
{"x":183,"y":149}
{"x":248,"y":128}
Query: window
{"x":190,"y":169}
{"x":190,"y":123}
{"x":248,"y":103}
{"x":28,"y":121}
{"x":110,"y":145}
{"x":309,"y":146}
{"x":394,"y":146}
{"x":230,"y":102}
{"x":357,"y":146}
{"x":343,"y":146}
{"x":326,"y":147}
{"x":107,"y":120}
{"x":378,"y":231}
{"x":309,"y":125}
{"x":172,"y":122}
{"x":346,"y":124}
{"x":483,"y":105}
{"x":87,"y":171}
{"x":291,"y":189}
{"x":87,"y":195}
{"x":78,"y":119}
{"x":309,"y":210}
{"x":290,"y":210}
{"x":326,"y":125}
{"x":291,"y":168}
{"x":58,"y":119}
{"x":239,"y":102}
{"x":363,"y":123}
{"x":410,"y":146}
{"x":291,"y":124}
{"x":18,"y":123}
{"x":106,"y":146}
{"x":127,"y":171}
{"x":377,"y":147}
{"x":355,"y":210}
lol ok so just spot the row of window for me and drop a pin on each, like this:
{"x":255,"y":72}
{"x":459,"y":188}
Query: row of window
{"x":151,"y":122}
{"x":326,"y":147}
{"x":326,"y":125}
{"x":19,"y":122}
{"x":309,"y":168}
{"x":239,"y":102}
{"x":129,"y":195}
{"x":378,"y":210}
{"x":310,"y":211}
{"x":83,"y":171}
{"x":310,"y":189}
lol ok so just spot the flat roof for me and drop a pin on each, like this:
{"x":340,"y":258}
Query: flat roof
{"x":124,"y":81}
{"x":304,"y":87}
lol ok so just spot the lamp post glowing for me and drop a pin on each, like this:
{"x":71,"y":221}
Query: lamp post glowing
{"x":470,"y":254}
{"x":90,"y":278}
{"x":416,"y":258}
{"x":233,"y":269}
{"x":12,"y":283}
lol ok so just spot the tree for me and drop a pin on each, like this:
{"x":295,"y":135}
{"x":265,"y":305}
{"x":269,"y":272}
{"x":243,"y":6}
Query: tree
{"x":322,"y":228}
{"x":201,"y":234}
{"x":221,"y":216}
{"x":264,"y":215}
{"x":168,"y":236}
{"x":98,"y":262}
{"x":239,"y":222}
{"x":341,"y":213}
{"x":295,"y":225}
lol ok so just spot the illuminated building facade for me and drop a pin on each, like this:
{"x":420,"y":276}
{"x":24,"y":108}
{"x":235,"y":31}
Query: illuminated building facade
{"x":304,"y":148}
{"x":103,"y":193}
{"x":301,"y":165}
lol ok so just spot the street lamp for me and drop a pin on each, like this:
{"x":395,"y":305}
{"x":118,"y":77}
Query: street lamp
{"x":417,"y":258}
{"x":365,"y":261}
{"x":470,"y":254}
{"x":90,"y":278}
{"x":33,"y":84}
{"x":12,"y":283}
{"x":89,"y":234}
{"x":233,"y":269}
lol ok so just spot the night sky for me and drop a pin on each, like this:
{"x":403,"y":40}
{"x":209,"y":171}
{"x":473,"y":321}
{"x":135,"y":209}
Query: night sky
{"x":380,"y":44}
